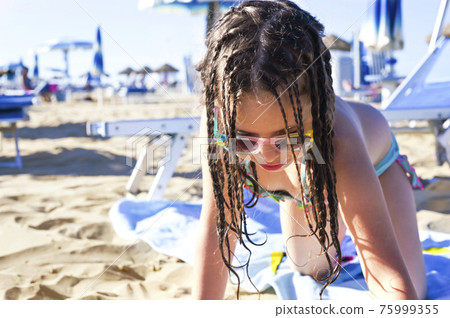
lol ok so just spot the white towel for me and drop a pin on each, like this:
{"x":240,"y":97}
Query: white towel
{"x":171,"y":228}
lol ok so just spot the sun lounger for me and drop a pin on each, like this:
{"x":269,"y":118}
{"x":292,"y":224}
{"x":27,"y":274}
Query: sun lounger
{"x":419,"y":99}
{"x":174,"y":133}
{"x":133,"y":92}
{"x":12,"y":109}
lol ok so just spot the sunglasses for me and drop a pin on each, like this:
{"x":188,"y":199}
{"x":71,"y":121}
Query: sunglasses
{"x":250,"y":145}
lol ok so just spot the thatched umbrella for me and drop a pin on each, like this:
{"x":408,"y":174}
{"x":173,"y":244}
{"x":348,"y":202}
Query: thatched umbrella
{"x":332,"y":42}
{"x":165,"y":70}
{"x":144,"y":70}
{"x":127,"y":71}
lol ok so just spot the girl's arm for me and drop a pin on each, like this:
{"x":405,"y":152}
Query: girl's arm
{"x":366,"y":215}
{"x":210,"y":273}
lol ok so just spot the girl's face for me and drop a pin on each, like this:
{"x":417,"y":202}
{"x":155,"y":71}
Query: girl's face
{"x":260,"y":116}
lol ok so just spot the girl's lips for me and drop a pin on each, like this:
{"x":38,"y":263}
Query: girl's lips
{"x":272,"y":167}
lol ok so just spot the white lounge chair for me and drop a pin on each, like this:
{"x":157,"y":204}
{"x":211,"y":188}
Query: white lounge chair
{"x":418,"y":99}
{"x":176,"y":130}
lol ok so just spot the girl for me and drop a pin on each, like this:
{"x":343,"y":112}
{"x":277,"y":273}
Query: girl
{"x":281,"y":132}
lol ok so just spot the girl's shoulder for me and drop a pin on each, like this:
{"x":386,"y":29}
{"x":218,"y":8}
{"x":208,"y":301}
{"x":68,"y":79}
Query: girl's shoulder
{"x":361,"y":124}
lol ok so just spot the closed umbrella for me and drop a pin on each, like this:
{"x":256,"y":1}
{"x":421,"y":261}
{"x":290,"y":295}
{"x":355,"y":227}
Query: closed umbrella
{"x":390,"y":35}
{"x":382,"y":27}
{"x":65,"y":45}
{"x":381,"y":31}
{"x":98,"y":56}
{"x":36,"y":67}
{"x":370,"y":26}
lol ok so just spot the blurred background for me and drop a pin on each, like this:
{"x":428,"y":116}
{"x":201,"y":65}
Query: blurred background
{"x":136,"y":35}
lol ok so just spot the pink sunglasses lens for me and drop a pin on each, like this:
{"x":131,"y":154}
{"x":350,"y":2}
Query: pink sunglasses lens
{"x":245,"y":145}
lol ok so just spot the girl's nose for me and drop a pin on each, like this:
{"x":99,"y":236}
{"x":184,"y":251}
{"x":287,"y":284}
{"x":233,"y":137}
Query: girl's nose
{"x":269,"y":154}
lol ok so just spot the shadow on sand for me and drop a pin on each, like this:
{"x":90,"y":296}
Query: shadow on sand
{"x":79,"y":162}
{"x":52,"y":132}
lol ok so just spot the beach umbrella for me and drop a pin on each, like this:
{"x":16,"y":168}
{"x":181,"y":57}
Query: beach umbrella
{"x":65,"y":45}
{"x":390,"y":35}
{"x":98,"y":56}
{"x":382,"y":27}
{"x":145,"y":70}
{"x":381,"y":31}
{"x":212,"y":8}
{"x":332,"y":42}
{"x":36,"y":67}
{"x":165,"y":70}
{"x":370,"y":26}
{"x":126,"y":71}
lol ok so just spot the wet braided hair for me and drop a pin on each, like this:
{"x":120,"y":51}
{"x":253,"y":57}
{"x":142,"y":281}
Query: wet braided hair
{"x":277,"y":47}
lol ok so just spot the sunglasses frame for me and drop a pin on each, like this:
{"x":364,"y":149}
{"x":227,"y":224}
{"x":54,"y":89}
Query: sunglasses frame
{"x":221,"y":140}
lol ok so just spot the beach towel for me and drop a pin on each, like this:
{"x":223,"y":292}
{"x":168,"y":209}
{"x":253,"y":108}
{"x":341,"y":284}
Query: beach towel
{"x":170,"y":228}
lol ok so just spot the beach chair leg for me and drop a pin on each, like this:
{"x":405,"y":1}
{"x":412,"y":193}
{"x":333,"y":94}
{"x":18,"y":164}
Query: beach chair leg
{"x":166,"y":171}
{"x":16,"y":140}
{"x":437,"y":129}
{"x":13,"y":129}
{"x":444,"y":141}
{"x":138,"y":173}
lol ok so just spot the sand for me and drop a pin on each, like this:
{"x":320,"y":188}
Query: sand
{"x":57,"y":240}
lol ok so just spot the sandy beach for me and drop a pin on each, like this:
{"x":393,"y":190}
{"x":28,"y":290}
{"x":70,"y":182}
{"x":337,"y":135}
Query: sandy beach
{"x":57,"y":240}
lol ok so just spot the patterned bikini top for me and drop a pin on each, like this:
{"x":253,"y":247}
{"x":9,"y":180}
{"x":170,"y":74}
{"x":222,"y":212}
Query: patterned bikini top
{"x":279,"y":195}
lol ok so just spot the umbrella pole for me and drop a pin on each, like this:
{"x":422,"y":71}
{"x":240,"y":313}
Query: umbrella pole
{"x":66,"y":61}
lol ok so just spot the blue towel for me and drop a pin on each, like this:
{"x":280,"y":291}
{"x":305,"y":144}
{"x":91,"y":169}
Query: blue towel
{"x":171,"y":228}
